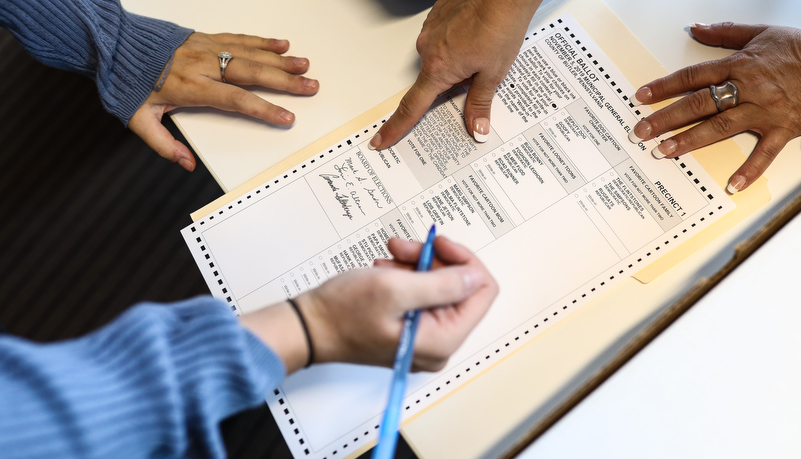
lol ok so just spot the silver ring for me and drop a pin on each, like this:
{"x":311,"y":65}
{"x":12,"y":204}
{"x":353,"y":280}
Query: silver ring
{"x":725,"y":95}
{"x":224,"y":57}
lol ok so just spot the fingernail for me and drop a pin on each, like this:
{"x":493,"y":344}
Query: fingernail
{"x":663,"y":149}
{"x":281,"y":42}
{"x":374,"y":142}
{"x":481,"y":129}
{"x":472,"y":279}
{"x":641,"y":131}
{"x":642,"y":96}
{"x":186,"y":164}
{"x":310,"y":83}
{"x":736,"y":184}
{"x":697,"y":25}
{"x":301,"y":61}
{"x":287,"y":116}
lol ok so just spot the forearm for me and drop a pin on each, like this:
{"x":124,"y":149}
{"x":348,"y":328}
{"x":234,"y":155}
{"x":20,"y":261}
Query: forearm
{"x":156,"y":381}
{"x":123,"y":52}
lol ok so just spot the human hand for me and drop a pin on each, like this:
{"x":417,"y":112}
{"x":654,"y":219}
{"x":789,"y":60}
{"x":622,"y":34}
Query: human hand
{"x":767,"y":74}
{"x":195,"y":80}
{"x":462,"y":42}
{"x":357,"y":316}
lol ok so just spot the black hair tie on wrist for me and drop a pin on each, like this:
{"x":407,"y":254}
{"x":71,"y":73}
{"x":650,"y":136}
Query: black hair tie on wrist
{"x":305,"y":330}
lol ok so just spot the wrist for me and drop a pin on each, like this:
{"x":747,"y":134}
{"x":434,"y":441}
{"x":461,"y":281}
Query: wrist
{"x":279,"y":328}
{"x":320,"y":327}
{"x":306,"y":333}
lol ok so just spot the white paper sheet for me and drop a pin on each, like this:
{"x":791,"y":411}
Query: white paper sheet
{"x":558,"y":204}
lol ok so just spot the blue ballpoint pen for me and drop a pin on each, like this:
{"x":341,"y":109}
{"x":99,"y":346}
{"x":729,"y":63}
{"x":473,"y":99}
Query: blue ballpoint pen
{"x":403,"y":361}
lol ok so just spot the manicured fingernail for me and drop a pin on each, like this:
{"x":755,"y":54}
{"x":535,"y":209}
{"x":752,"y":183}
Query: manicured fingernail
{"x":481,"y":129}
{"x":287,"y":116}
{"x":663,"y":149}
{"x":301,"y":61}
{"x":641,"y":131}
{"x":697,"y":25}
{"x":642,"y":96}
{"x":736,"y":184}
{"x":311,"y":83}
{"x":186,"y":164}
{"x":374,"y":142}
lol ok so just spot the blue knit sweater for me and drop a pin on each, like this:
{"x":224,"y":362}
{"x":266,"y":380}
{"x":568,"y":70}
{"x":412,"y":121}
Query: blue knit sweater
{"x":158,"y":380}
{"x":124,"y":53}
{"x":154,"y":383}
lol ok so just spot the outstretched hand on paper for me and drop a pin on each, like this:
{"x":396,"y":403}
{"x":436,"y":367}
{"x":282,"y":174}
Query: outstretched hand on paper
{"x":462,"y":42}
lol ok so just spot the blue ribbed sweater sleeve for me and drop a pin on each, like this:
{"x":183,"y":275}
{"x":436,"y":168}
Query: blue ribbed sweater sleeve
{"x":124,"y":53}
{"x":156,"y":382}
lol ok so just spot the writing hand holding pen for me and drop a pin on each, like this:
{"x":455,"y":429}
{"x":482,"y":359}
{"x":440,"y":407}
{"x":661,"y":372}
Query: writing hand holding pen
{"x":357,"y":317}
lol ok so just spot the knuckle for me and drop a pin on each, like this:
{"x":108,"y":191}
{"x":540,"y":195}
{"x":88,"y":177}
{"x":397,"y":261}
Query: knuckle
{"x":482,"y":102}
{"x":769,"y":151}
{"x":405,"y":110}
{"x":422,"y":41}
{"x":698,"y":103}
{"x":689,"y":76}
{"x":237,"y":99}
{"x":721,"y":124}
{"x":725,"y":26}
{"x":750,"y":170}
{"x":739,"y":59}
{"x":434,"y":65}
{"x":254,"y":67}
{"x":661,"y":121}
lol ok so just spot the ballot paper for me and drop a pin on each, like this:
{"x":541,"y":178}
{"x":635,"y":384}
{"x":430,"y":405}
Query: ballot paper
{"x":558,"y":204}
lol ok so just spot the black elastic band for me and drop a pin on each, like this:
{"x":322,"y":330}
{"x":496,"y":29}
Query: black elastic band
{"x":305,"y":330}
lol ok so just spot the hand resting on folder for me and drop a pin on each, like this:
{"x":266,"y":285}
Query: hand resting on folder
{"x":195,"y":79}
{"x":356,"y":317}
{"x":766,"y":70}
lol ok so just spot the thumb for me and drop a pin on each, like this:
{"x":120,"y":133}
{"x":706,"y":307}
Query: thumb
{"x":478,"y":105}
{"x":444,"y":286}
{"x":149,"y":128}
{"x":727,"y":34}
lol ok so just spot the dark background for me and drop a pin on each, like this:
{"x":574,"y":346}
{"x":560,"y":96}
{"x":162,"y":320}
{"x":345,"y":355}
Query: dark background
{"x":91,"y":219}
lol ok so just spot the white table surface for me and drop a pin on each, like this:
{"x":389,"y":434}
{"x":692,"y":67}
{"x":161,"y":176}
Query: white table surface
{"x":376,"y":70}
{"x":723,"y":381}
